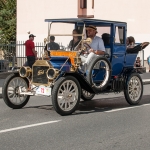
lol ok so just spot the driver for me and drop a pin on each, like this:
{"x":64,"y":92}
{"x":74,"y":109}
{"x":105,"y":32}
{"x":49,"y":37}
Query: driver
{"x":96,"y":47}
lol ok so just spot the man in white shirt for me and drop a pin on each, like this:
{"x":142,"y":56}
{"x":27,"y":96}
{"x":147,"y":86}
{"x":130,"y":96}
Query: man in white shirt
{"x":97,"y":45}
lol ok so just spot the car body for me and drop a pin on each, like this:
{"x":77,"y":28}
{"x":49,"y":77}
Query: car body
{"x":61,"y":77}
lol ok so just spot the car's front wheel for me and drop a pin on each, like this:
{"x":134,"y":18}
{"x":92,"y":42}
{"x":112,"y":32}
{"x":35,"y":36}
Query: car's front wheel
{"x":11,"y":94}
{"x":66,"y":95}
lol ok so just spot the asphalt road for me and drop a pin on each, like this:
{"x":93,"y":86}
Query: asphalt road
{"x":106,"y":123}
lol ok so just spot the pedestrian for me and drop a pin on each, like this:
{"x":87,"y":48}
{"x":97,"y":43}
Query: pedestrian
{"x":138,"y":62}
{"x":26,"y":63}
{"x":148,"y":61}
{"x":30,"y":50}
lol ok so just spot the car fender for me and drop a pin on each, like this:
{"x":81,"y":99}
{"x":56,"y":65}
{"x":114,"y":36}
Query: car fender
{"x":82,"y":80}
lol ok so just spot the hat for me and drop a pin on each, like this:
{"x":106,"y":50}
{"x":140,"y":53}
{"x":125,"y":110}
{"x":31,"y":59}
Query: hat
{"x":31,"y":35}
{"x":91,"y":27}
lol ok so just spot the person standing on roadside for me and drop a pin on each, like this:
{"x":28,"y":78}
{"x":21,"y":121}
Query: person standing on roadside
{"x":148,"y":61}
{"x":30,"y":50}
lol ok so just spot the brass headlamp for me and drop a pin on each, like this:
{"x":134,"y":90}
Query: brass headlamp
{"x":25,"y":71}
{"x":52,"y":73}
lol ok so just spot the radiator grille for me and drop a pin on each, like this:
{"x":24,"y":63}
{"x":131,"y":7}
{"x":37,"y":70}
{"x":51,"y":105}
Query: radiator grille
{"x":39,"y":74}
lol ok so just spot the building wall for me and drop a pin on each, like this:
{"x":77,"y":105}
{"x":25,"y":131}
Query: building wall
{"x":135,"y":13}
{"x":31,"y":15}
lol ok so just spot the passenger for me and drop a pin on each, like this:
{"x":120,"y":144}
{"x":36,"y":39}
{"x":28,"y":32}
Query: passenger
{"x":130,"y":42}
{"x":97,"y":46}
{"x":75,"y":41}
{"x":138,"y":64}
{"x":52,"y":45}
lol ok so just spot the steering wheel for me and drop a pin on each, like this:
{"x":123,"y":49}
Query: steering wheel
{"x":83,"y":51}
{"x":86,"y":44}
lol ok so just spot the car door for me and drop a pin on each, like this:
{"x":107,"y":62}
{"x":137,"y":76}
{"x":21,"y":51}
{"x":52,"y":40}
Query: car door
{"x":119,"y":48}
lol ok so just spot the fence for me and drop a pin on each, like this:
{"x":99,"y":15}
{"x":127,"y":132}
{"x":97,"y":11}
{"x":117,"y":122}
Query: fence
{"x":13,"y":54}
{"x":20,"y":52}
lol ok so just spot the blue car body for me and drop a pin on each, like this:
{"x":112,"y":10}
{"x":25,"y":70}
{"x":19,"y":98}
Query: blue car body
{"x":118,"y":58}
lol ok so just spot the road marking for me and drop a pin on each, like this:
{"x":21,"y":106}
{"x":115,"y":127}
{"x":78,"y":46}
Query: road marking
{"x":28,"y":126}
{"x":119,"y":109}
{"x":144,"y":80}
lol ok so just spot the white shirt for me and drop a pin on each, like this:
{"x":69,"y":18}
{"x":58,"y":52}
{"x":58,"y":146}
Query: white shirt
{"x":97,"y":44}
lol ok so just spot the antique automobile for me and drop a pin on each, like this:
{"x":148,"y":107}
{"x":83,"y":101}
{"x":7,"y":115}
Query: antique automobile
{"x":61,"y":77}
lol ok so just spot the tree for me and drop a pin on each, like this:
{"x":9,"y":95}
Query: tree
{"x":7,"y":20}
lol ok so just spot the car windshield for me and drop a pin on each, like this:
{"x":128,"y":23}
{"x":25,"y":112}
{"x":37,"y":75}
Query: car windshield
{"x":63,"y":33}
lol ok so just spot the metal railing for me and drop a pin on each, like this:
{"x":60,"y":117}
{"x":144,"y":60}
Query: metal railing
{"x":13,"y":54}
{"x":20,"y":52}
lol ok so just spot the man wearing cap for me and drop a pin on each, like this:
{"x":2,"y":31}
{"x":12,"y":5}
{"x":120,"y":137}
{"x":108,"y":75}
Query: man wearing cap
{"x":97,"y":45}
{"x":30,"y":50}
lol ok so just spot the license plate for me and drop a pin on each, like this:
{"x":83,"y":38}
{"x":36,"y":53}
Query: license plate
{"x":42,"y":90}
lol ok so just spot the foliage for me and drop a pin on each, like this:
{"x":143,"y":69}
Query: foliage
{"x":7,"y":21}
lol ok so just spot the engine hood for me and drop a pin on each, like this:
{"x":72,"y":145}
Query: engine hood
{"x":59,"y":61}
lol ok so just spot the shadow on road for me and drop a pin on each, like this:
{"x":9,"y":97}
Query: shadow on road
{"x":107,"y":104}
{"x":97,"y":105}
{"x":46,"y":107}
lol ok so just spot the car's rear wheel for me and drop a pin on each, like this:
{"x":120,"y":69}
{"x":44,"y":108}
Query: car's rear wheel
{"x":66,"y":95}
{"x":133,"y":89}
{"x":86,"y":96}
{"x":10,"y":92}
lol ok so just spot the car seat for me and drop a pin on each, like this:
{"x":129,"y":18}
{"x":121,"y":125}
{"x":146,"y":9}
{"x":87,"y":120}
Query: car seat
{"x":106,"y":40}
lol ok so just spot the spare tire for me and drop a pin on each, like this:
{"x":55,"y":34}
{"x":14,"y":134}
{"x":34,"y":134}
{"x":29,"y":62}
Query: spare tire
{"x":99,"y":73}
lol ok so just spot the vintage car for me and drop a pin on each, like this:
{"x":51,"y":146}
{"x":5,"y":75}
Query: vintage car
{"x":60,"y":75}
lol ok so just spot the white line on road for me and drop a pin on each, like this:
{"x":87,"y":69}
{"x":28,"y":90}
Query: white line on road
{"x":144,"y":80}
{"x":28,"y":126}
{"x":119,"y":109}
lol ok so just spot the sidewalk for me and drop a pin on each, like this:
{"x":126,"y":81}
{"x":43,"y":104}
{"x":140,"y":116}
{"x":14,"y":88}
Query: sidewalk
{"x":145,"y":77}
